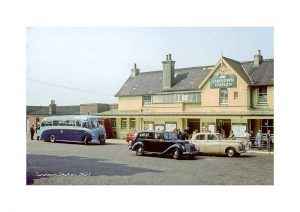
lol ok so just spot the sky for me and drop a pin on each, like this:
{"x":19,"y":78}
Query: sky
{"x":79,"y":65}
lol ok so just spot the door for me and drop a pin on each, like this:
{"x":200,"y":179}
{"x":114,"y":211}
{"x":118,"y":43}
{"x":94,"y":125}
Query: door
{"x":200,"y":142}
{"x":212,"y":144}
{"x":224,"y":124}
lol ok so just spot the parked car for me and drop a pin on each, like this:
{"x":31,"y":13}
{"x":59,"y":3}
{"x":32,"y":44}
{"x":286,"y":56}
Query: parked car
{"x":162,"y":143}
{"x":212,"y":144}
{"x":130,"y":136}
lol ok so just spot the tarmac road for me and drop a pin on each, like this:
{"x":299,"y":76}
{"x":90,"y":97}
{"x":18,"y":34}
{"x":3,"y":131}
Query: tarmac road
{"x":113,"y":164}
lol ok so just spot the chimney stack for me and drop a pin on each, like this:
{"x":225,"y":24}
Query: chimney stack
{"x":258,"y":58}
{"x":134,"y":71}
{"x":52,"y":108}
{"x":168,"y":72}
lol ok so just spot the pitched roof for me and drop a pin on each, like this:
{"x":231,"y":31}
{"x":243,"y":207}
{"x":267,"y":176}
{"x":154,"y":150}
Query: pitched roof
{"x":189,"y":78}
{"x":262,"y":74}
{"x":237,"y":66}
{"x":151,"y":82}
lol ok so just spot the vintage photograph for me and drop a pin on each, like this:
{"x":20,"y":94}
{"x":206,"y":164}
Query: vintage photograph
{"x":150,"y":106}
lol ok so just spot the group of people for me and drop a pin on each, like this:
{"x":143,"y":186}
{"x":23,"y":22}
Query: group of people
{"x":253,"y":140}
{"x":182,"y":135}
{"x":259,"y":139}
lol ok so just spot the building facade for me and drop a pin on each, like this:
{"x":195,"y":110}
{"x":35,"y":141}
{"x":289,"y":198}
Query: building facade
{"x":229,"y":95}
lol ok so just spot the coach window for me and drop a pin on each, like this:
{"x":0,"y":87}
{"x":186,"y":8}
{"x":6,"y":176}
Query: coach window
{"x":55,"y":123}
{"x":85,"y":124}
{"x":77,"y":122}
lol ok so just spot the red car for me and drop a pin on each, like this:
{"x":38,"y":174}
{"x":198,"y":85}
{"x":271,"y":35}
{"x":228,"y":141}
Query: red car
{"x":130,"y":136}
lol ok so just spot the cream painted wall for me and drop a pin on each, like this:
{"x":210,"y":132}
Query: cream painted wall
{"x":270,"y":99}
{"x":130,"y":102}
{"x":210,"y":97}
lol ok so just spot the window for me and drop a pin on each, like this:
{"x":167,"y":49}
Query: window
{"x":223,"y":96}
{"x":123,"y":123}
{"x":200,"y":137}
{"x":55,"y":123}
{"x":147,"y":100}
{"x":236,"y":95}
{"x":85,"y":124}
{"x":267,"y":124}
{"x":77,"y":123}
{"x":113,"y":123}
{"x":262,"y":95}
{"x":176,"y":97}
{"x":69,"y":123}
{"x":132,"y":123}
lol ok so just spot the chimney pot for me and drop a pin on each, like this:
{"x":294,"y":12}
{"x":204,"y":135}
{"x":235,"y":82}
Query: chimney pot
{"x":258,"y":58}
{"x":168,"y":72}
{"x":134,"y":71}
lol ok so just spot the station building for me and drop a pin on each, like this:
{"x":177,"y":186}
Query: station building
{"x":233,"y":95}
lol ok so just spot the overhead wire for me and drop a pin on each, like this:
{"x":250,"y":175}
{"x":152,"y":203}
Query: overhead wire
{"x":70,"y":88}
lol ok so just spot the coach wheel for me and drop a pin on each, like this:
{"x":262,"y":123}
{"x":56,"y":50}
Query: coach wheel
{"x":52,"y":138}
{"x":86,"y":140}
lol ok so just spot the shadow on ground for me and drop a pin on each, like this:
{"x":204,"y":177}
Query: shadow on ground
{"x":45,"y":166}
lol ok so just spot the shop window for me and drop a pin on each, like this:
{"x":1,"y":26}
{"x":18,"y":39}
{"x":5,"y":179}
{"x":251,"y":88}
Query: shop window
{"x":262,"y":95}
{"x":223,"y":96}
{"x":132,"y":123}
{"x":113,"y":122}
{"x":147,"y":100}
{"x":267,"y":124}
{"x":148,"y":125}
{"x":123,"y":123}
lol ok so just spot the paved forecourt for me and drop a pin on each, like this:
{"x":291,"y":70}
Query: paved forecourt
{"x":113,"y":164}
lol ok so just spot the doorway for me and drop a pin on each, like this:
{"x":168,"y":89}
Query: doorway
{"x":193,"y":124}
{"x":225,"y":124}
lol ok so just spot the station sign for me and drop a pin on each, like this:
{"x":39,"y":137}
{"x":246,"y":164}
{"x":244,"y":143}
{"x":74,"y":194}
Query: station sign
{"x":223,"y":81}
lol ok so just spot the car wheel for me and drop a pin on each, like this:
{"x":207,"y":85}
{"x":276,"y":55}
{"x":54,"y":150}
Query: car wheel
{"x":177,"y":154}
{"x":139,"y":151}
{"x":52,"y":138}
{"x":230,"y":152}
{"x":85,"y":140}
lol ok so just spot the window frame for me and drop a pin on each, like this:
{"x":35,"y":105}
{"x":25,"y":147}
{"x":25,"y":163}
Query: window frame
{"x":124,"y":125}
{"x":113,"y":123}
{"x":132,"y":121}
{"x":147,"y":100}
{"x":223,"y":97}
{"x":262,"y":95}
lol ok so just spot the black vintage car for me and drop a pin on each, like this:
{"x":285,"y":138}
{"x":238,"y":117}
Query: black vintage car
{"x":162,"y":143}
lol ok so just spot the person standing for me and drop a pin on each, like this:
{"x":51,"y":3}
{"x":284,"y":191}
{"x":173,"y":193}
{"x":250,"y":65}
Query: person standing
{"x":247,"y":136}
{"x":258,"y":139}
{"x":269,"y":140}
{"x":32,"y":130}
{"x":231,"y":136}
{"x":222,"y":133}
{"x":252,"y":138}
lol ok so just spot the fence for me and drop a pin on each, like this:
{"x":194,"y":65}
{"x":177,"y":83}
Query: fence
{"x":264,"y":146}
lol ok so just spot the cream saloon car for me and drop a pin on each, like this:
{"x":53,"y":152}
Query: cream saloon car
{"x":211,"y":143}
